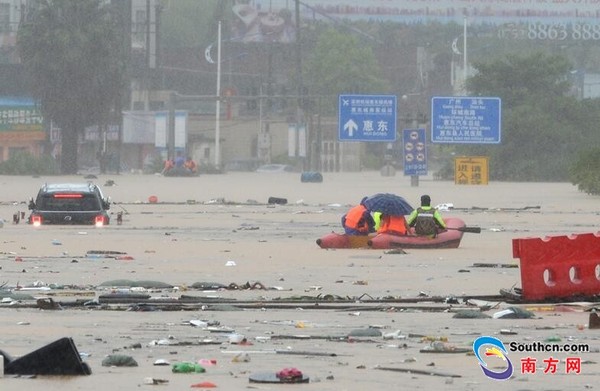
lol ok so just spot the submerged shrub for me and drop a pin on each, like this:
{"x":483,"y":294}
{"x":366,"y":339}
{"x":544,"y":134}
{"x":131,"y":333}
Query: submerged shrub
{"x":24,"y":163}
{"x":585,"y":172}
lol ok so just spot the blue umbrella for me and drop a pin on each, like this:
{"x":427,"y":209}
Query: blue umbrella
{"x":389,"y":204}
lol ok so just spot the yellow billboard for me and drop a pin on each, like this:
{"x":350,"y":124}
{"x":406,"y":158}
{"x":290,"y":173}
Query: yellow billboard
{"x":471,"y":170}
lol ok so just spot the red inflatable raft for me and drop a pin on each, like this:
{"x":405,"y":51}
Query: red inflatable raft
{"x":447,"y":239}
{"x":335,"y":240}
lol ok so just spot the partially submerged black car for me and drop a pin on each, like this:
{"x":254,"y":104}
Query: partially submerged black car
{"x":69,"y":203}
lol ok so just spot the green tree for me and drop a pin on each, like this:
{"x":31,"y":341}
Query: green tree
{"x":585,"y":169}
{"x":518,"y":77}
{"x":341,"y":64}
{"x":73,"y":54}
{"x":189,"y":23}
{"x":585,"y":172}
{"x":543,"y":127}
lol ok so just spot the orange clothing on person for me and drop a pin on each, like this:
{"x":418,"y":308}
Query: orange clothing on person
{"x":190,"y":165}
{"x":395,"y":225}
{"x":355,"y":219}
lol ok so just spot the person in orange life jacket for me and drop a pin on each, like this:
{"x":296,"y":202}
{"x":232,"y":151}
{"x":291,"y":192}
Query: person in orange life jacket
{"x":395,"y":225}
{"x":358,"y":220}
{"x":426,"y":219}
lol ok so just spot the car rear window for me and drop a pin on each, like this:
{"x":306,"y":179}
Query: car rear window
{"x":68,"y":202}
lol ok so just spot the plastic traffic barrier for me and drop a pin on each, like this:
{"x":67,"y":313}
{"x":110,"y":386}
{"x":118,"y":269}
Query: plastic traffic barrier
{"x":559,"y":266}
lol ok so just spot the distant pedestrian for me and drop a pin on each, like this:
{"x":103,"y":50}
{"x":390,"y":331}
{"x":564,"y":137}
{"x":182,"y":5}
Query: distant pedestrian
{"x":191,"y":165}
{"x":169,"y":165}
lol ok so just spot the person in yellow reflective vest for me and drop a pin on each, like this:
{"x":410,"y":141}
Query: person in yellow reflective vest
{"x":377,"y":219}
{"x":426,"y":219}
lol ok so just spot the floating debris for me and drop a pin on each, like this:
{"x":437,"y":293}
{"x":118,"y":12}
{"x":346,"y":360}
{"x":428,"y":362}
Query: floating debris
{"x":119,"y":360}
{"x":470,"y":314}
{"x":513,"y":313}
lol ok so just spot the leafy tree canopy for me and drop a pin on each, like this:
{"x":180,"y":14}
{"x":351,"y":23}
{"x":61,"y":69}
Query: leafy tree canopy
{"x":585,"y":172}
{"x":543,"y":127}
{"x":73,"y":54}
{"x":517,"y":77}
{"x":340,"y":64}
{"x":188,"y":23}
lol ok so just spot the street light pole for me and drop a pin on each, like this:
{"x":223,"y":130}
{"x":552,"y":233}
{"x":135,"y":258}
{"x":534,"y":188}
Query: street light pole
{"x":300,"y":87}
{"x":218,"y":108}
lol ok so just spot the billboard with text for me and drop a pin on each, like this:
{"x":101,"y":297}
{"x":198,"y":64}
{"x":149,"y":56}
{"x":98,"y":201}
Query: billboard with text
{"x":274,"y":20}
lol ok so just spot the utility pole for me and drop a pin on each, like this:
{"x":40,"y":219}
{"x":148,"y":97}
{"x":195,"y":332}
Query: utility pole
{"x":218,"y":109}
{"x":171,"y":127}
{"x":300,"y":87}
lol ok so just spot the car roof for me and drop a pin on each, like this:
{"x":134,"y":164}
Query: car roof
{"x":79,"y":187}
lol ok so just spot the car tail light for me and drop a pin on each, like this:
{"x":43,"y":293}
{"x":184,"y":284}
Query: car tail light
{"x":99,"y":221}
{"x":36,"y":220}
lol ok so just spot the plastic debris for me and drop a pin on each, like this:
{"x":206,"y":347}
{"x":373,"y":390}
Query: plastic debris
{"x":198,"y":323}
{"x":236,"y":338}
{"x":153,"y":381}
{"x":289,"y":374}
{"x":187,"y":367}
{"x":263,"y":339}
{"x":204,"y":384}
{"x":394,"y":335}
{"x":241,"y":357}
{"x":513,"y":313}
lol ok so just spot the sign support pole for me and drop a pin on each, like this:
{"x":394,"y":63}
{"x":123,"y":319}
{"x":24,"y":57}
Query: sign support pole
{"x":414,"y":179}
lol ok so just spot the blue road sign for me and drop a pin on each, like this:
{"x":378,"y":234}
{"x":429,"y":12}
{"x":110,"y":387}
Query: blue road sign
{"x":465,"y":120}
{"x":415,"y":152}
{"x":367,"y":118}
